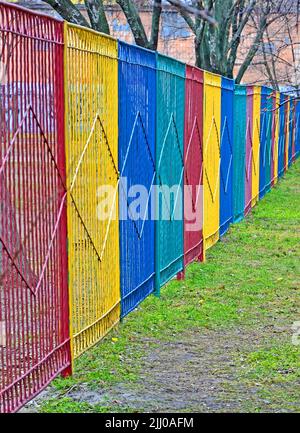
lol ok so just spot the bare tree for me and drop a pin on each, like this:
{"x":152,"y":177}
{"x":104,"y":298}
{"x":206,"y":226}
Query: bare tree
{"x":217,"y":47}
{"x":97,"y":19}
{"x":280,"y":54}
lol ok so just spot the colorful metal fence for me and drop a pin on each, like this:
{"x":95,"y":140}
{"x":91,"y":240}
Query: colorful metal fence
{"x":239,"y":152}
{"x":169,"y":168}
{"x":193,"y":164}
{"x":34,"y":330}
{"x":91,"y":77}
{"x":256,"y":96}
{"x":137,"y":99}
{"x":129,"y":120}
{"x":227,"y":102}
{"x":211,"y":157}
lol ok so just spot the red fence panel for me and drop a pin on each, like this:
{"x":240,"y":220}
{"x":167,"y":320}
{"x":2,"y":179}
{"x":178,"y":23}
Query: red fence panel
{"x":193,"y":161}
{"x":34,"y":334}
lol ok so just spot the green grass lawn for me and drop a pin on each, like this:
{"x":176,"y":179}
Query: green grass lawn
{"x":232,"y":316}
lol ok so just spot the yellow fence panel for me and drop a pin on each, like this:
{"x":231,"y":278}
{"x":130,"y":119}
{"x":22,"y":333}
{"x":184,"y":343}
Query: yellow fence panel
{"x":212,"y":157}
{"x":256,"y":143}
{"x":91,"y":99}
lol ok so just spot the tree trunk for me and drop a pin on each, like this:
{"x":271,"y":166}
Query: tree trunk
{"x":96,"y":13}
{"x":135,"y":22}
{"x":156,"y":13}
{"x":68,"y":11}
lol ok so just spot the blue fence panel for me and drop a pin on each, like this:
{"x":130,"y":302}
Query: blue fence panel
{"x":226,"y":171}
{"x":137,"y":105}
{"x":263,"y":142}
{"x":239,"y":152}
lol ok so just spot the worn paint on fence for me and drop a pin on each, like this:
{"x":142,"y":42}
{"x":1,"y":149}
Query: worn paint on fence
{"x":193,"y":164}
{"x":212,"y":157}
{"x":137,"y":84}
{"x":34,"y":340}
{"x":256,"y":144}
{"x":249,"y":150}
{"x":169,"y":168}
{"x":91,"y":76}
{"x":226,"y":155}
{"x":239,"y":152}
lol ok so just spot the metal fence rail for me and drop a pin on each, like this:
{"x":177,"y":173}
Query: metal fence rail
{"x":193,"y":165}
{"x":34,"y":330}
{"x":212,"y":158}
{"x":137,"y":99}
{"x":91,"y":89}
{"x":226,"y":211}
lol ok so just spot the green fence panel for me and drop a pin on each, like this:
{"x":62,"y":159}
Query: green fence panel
{"x":239,"y":151}
{"x":169,"y":168}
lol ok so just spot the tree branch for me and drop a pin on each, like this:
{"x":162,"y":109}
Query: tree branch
{"x":186,"y":10}
{"x":257,"y":41}
{"x":271,"y":72}
{"x":156,"y":13}
{"x":68,"y":11}
{"x":241,"y":26}
{"x":135,"y":22}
